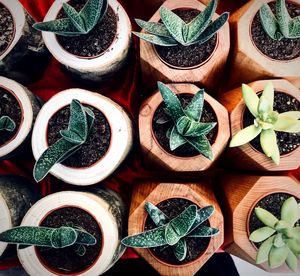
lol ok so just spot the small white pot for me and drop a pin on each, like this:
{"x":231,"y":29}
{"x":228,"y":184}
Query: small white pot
{"x":97,"y":207}
{"x":120,"y":143}
{"x":99,"y":68}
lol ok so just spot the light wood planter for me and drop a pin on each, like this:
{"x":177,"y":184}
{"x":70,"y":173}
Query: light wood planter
{"x":154,"y":153}
{"x":207,"y":74}
{"x":246,"y":157}
{"x":239,"y":194}
{"x":155,"y":193}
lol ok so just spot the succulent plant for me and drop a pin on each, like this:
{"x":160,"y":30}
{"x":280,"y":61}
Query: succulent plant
{"x":266,"y":122}
{"x":280,"y":238}
{"x":174,"y":31}
{"x":173,"y":232}
{"x":6,"y":123}
{"x":187,"y":127}
{"x":80,"y":126}
{"x":76,"y":23}
{"x":281,"y":25}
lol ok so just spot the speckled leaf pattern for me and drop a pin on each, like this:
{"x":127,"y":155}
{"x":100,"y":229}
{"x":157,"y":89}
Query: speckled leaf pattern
{"x":154,"y":28}
{"x":203,"y":232}
{"x":75,"y":18}
{"x":203,"y":214}
{"x":71,"y":136}
{"x":294,"y":27}
{"x":289,"y":212}
{"x":180,"y":250}
{"x":283,"y":17}
{"x":269,"y":21}
{"x":85,"y":238}
{"x":157,"y":40}
{"x":78,"y":120}
{"x":277,"y":256}
{"x":176,"y":140}
{"x":90,"y":117}
{"x":6,"y":123}
{"x":63,"y":237}
{"x":202,"y":144}
{"x":194,"y":108}
{"x":264,"y":250}
{"x":158,"y":216}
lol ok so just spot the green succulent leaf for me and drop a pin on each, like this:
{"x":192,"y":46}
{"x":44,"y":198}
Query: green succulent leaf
{"x":264,"y":107}
{"x":85,"y":238}
{"x":203,"y":214}
{"x":158,"y":216}
{"x":261,"y":234}
{"x":154,"y":28}
{"x":201,"y":144}
{"x":289,"y":212}
{"x":176,"y":140}
{"x":250,"y":98}
{"x":294,"y":245}
{"x":269,"y":22}
{"x":194,"y":109}
{"x":266,"y":217}
{"x":277,"y":256}
{"x":291,"y":261}
{"x":276,"y":156}
{"x":268,"y":93}
{"x":244,"y":136}
{"x":81,"y":250}
{"x":294,"y":27}
{"x":63,"y":237}
{"x":180,"y":250}
{"x":264,"y":250}
{"x":71,"y":136}
{"x":283,"y":17}
{"x":6,"y":123}
{"x":157,"y":40}
{"x":268,"y":141}
{"x":75,"y":18}
{"x":203,"y":232}
{"x":78,"y":121}
{"x":278,"y":240}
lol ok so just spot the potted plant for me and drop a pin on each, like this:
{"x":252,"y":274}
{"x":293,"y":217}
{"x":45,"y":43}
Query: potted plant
{"x":186,"y":46}
{"x":18,"y":109}
{"x":179,"y":127}
{"x":81,"y":137}
{"x":263,"y":47}
{"x":241,"y":196}
{"x":90,"y":38}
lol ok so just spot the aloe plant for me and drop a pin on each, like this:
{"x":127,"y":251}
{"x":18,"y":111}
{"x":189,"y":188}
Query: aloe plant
{"x":187,"y":128}
{"x":80,"y":126}
{"x":266,"y":122}
{"x":173,"y":232}
{"x":280,"y":238}
{"x":281,"y":25}
{"x":174,"y":31}
{"x":6,"y":123}
{"x":76,"y":23}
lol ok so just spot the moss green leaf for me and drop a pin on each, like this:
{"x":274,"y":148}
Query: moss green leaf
{"x":194,"y":109}
{"x":6,"y":123}
{"x":289,"y":212}
{"x":261,"y":234}
{"x":277,"y":256}
{"x":154,"y":28}
{"x":180,"y":250}
{"x":244,"y":136}
{"x":266,"y":217}
{"x":291,"y":261}
{"x":251,"y":99}
{"x":201,"y":144}
{"x":264,"y":250}
{"x":268,"y":141}
{"x":158,"y":216}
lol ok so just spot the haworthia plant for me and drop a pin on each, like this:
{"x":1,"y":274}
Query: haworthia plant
{"x":76,"y":23}
{"x":6,"y":123}
{"x":280,"y":237}
{"x":280,"y":25}
{"x":80,"y":126}
{"x":174,"y":31}
{"x":187,"y":128}
{"x":173,"y":232}
{"x":266,"y":121}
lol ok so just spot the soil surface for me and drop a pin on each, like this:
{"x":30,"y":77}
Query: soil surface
{"x":96,"y":41}
{"x":196,"y":246}
{"x":285,"y":49}
{"x":9,"y":106}
{"x":160,"y":130}
{"x":66,"y":260}
{"x":286,"y":142}
{"x":97,"y":143}
{"x":7,"y":28}
{"x":187,"y":56}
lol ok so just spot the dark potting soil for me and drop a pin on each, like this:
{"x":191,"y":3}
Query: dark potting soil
{"x":66,"y":260}
{"x":94,"y":43}
{"x":271,"y":203}
{"x":195,"y":246}
{"x":187,"y":56}
{"x":97,"y":143}
{"x":7,"y":28}
{"x":9,"y":106}
{"x":160,"y":130}
{"x":285,"y":49}
{"x":286,"y":142}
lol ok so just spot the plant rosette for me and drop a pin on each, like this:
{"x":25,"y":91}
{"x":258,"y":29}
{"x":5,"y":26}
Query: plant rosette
{"x":96,"y":67}
{"x":21,"y":106}
{"x":107,"y":145}
{"x":155,"y":143}
{"x":97,"y":214}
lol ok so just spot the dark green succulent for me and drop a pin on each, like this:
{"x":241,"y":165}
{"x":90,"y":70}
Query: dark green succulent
{"x":6,"y":123}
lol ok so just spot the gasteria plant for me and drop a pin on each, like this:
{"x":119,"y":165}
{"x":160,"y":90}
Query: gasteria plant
{"x":6,"y":123}
{"x":281,"y":25}
{"x":266,"y":122}
{"x":173,"y":232}
{"x":281,"y":238}
{"x":80,"y":126}
{"x":187,"y":127}
{"x":174,"y":31}
{"x":77,"y":23}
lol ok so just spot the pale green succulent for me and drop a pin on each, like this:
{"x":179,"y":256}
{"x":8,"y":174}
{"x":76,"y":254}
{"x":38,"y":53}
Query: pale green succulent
{"x":77,"y":23}
{"x":174,"y":31}
{"x":266,"y":122}
{"x":280,"y":238}
{"x":280,"y":25}
{"x":6,"y":123}
{"x":174,"y":232}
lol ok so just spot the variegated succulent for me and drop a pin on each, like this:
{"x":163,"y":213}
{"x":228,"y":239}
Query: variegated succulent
{"x":266,"y":122}
{"x":173,"y":232}
{"x":174,"y":31}
{"x":7,"y":123}
{"x":187,"y":128}
{"x":281,"y":25}
{"x":80,"y":126}
{"x":76,"y":23}
{"x":280,"y":238}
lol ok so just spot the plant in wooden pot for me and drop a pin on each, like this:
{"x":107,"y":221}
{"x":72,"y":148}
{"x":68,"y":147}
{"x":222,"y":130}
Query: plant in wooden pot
{"x":91,"y":38}
{"x":181,"y":44}
{"x":179,"y":128}
{"x":80,"y":137}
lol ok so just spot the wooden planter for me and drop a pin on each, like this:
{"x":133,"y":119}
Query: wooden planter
{"x":155,"y":154}
{"x":207,"y":74}
{"x":155,"y":192}
{"x":246,"y":157}
{"x":239,"y":194}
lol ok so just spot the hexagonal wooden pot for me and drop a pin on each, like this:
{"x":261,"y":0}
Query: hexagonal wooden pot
{"x":155,"y":154}
{"x":206,"y":74}
{"x":239,"y":194}
{"x":156,"y":192}
{"x":246,"y":157}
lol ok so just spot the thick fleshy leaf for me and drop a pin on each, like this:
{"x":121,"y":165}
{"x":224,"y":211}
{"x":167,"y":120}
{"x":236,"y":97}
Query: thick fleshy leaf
{"x":251,"y":99}
{"x":261,"y":234}
{"x":268,"y":93}
{"x":78,"y":121}
{"x":295,"y":232}
{"x":244,"y":136}
{"x":203,"y":214}
{"x":154,"y":28}
{"x":6,"y":123}
{"x":264,"y":107}
{"x":63,"y":237}
{"x":176,"y":140}
{"x":264,"y":250}
{"x":294,"y":27}
{"x":268,"y":141}
{"x":276,"y":156}
{"x":294,"y":245}
{"x":75,"y":18}
{"x":278,"y":240}
{"x":289,"y":211}
{"x":277,"y":256}
{"x":158,"y":216}
{"x":283,"y":17}
{"x":90,"y":117}
{"x":203,"y":232}
{"x":269,"y":21}
{"x":194,"y":109}
{"x":202,"y":145}
{"x":180,"y":250}
{"x":266,"y":217}
{"x":291,"y":261}
{"x":71,"y":136}
{"x":80,"y":250}
{"x":85,"y":238}
{"x":287,"y":123}
{"x":157,"y":40}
